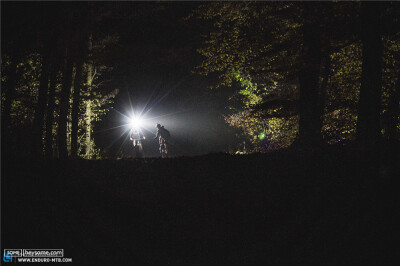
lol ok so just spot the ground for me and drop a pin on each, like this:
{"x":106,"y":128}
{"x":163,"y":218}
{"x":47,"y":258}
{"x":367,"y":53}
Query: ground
{"x":283,"y":208}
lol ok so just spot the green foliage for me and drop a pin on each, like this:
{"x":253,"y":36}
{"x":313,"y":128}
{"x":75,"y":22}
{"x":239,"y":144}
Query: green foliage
{"x":340,"y":126}
{"x":256,"y":46}
{"x":96,"y":96}
{"x":390,"y":75}
{"x":23,"y":106}
{"x":344,"y":88}
{"x":342,"y":95}
{"x":5,"y":63}
{"x":28,"y":73}
{"x":242,"y":47}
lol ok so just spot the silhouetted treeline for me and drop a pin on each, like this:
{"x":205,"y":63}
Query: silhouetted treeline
{"x":52,"y":88}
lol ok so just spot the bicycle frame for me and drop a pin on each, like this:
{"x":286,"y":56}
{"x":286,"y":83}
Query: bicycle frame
{"x":163,"y":148}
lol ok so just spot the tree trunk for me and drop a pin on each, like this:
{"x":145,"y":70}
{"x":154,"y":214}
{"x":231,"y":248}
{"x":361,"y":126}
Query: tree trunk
{"x":88,"y":121}
{"x":393,"y":151}
{"x":50,"y":112}
{"x":309,"y":123}
{"x":64,"y":106}
{"x":88,"y":113}
{"x":9,"y":89}
{"x":368,"y":121}
{"x":38,"y":121}
{"x":75,"y":110}
{"x":323,"y":88}
{"x":393,"y":112}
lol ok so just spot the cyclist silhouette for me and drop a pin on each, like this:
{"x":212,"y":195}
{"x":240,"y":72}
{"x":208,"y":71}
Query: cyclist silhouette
{"x":163,"y":136}
{"x":137,"y":137}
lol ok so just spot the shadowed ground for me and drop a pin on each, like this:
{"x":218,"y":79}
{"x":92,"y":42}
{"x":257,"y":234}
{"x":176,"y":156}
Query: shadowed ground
{"x":283,"y":208}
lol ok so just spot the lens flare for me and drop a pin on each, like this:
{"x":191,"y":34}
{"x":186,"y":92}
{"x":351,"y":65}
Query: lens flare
{"x":135,"y":122}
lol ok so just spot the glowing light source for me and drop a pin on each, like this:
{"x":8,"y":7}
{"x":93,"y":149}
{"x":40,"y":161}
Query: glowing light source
{"x":135,"y":123}
{"x":261,"y":136}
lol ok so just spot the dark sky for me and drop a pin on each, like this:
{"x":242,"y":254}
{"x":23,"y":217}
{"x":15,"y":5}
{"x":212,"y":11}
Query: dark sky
{"x":154,"y":63}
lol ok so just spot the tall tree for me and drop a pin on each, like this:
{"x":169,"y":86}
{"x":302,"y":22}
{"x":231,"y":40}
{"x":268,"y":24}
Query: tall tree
{"x":76,"y":99}
{"x":15,"y":43}
{"x":368,"y":122}
{"x":26,"y":99}
{"x":309,"y":113}
{"x":89,"y":82}
{"x":50,"y":109}
{"x":9,"y":89}
{"x":64,"y":105}
{"x":38,"y":121}
{"x":394,"y":112}
{"x":276,"y":52}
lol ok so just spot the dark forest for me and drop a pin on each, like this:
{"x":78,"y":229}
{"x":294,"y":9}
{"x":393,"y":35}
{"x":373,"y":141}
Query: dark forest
{"x":200,"y":133}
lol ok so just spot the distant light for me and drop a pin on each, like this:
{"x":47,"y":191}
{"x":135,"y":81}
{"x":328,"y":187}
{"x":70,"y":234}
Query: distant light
{"x":262,"y":136}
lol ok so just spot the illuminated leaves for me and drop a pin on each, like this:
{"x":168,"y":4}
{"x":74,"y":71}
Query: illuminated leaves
{"x":344,"y":88}
{"x":257,"y":46}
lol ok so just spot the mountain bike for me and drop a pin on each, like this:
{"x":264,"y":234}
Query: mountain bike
{"x":163,"y":148}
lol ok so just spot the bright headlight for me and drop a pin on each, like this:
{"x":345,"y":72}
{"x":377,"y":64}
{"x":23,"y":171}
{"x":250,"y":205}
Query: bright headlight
{"x":135,"y":123}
